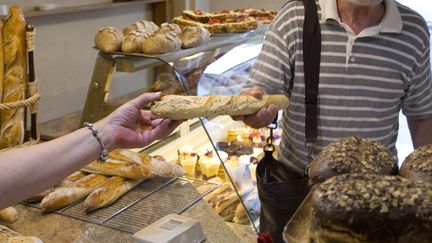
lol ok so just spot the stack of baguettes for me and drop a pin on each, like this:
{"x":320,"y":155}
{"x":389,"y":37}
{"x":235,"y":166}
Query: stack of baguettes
{"x":13,"y":76}
{"x":103,"y":183}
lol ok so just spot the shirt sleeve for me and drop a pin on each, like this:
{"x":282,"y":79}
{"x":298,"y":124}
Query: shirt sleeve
{"x":417,"y":103}
{"x":272,"y":67}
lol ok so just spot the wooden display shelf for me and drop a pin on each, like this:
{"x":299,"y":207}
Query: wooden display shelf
{"x":86,"y":8}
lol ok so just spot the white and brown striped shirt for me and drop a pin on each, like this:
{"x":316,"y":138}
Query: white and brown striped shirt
{"x":365,"y":79}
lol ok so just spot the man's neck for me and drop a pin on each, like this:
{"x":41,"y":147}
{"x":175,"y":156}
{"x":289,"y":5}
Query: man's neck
{"x":360,"y":17}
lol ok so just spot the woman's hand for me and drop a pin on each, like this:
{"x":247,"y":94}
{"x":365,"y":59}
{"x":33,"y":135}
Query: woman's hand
{"x":129,"y":126}
{"x":263,"y":117}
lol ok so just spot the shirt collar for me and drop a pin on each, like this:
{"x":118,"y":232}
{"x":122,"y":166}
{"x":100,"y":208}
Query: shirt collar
{"x":391,"y":22}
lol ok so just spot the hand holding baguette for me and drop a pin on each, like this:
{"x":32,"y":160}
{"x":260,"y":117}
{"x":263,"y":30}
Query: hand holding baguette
{"x":177,"y":107}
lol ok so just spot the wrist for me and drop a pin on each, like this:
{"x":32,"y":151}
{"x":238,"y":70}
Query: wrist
{"x":106,"y":135}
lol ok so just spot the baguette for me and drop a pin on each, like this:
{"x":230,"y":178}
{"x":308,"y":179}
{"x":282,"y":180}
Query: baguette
{"x":63,"y":196}
{"x":8,"y":215}
{"x":177,"y":107}
{"x":14,"y":83}
{"x":109,"y":192}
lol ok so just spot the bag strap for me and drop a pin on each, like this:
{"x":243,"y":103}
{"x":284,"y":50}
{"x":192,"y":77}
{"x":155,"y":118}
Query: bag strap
{"x":311,"y":65}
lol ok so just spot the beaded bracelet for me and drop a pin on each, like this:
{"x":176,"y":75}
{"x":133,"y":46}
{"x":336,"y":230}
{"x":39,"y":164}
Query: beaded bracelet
{"x":104,"y":153}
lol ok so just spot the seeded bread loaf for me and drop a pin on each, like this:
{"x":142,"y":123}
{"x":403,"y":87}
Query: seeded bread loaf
{"x":177,"y":107}
{"x":370,"y":208}
{"x":351,"y":155}
{"x":108,"y":39}
{"x":418,"y":165}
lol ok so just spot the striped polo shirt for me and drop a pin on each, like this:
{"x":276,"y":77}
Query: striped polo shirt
{"x":365,"y":79}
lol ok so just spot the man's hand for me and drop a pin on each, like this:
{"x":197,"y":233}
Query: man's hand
{"x":263,"y":117}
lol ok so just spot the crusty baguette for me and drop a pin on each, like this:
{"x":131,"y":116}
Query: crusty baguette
{"x":177,"y":107}
{"x":109,"y":192}
{"x":63,"y":196}
{"x":8,"y":215}
{"x":2,"y":63}
{"x":14,"y":84}
{"x":38,"y":197}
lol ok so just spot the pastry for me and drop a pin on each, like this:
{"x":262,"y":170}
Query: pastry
{"x":15,"y":78}
{"x":418,"y":164}
{"x":351,"y":155}
{"x":179,"y":107}
{"x":161,"y":43}
{"x":108,"y":39}
{"x":193,"y":36}
{"x":133,"y":41}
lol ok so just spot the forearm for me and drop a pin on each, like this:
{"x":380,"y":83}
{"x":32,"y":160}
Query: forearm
{"x":421,"y":131}
{"x":50,"y":162}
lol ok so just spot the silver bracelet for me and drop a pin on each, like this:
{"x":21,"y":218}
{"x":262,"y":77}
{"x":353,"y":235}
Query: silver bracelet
{"x":104,"y":153}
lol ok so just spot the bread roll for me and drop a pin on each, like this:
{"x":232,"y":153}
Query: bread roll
{"x":143,"y":25}
{"x":193,"y":36}
{"x":351,"y":155}
{"x":169,"y":27}
{"x":133,"y":41}
{"x":178,"y":107}
{"x":8,"y":215}
{"x":109,"y":192}
{"x":63,"y":196}
{"x":161,"y":43}
{"x":418,"y":164}
{"x":14,"y":85}
{"x":108,"y":39}
{"x":24,"y":239}
{"x":371,"y":208}
{"x":6,"y":233}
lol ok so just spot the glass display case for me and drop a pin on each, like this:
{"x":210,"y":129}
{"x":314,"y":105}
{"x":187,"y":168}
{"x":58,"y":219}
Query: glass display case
{"x":215,"y":149}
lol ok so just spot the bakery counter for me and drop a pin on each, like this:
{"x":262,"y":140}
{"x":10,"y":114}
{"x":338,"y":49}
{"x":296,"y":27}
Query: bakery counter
{"x":54,"y":227}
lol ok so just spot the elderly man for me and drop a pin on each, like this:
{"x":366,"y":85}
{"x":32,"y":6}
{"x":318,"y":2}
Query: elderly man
{"x":375,"y":62}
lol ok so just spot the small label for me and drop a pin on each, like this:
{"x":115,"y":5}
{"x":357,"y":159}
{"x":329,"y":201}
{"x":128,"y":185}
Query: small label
{"x":170,"y":224}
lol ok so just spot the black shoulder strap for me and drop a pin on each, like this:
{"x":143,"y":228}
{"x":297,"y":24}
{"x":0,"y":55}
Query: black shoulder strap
{"x":311,"y":65}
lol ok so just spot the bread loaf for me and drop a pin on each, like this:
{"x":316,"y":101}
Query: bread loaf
{"x":15,"y":77}
{"x":418,"y":164}
{"x":143,"y":25}
{"x":2,"y":63}
{"x":193,"y":36}
{"x":24,"y":239}
{"x":63,"y":196}
{"x":8,"y":215}
{"x":351,"y":155}
{"x":371,"y":208}
{"x":179,"y":107}
{"x":161,"y":43}
{"x":109,"y":192}
{"x":108,"y":39}
{"x":6,"y":233}
{"x":132,"y":43}
{"x":169,"y":27}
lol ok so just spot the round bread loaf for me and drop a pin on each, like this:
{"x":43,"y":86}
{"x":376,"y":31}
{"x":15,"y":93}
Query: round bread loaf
{"x":108,"y":39}
{"x":134,"y":40}
{"x":193,"y":36}
{"x":142,"y":25}
{"x":169,"y":27}
{"x":371,"y":208}
{"x":161,"y":43}
{"x":418,"y":165}
{"x":351,"y":155}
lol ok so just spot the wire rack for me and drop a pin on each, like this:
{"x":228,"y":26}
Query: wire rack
{"x":145,"y":204}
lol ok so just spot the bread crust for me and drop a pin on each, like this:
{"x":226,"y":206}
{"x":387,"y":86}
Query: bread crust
{"x":15,"y":77}
{"x":108,"y":39}
{"x":418,"y":164}
{"x":63,"y":196}
{"x":193,"y":36}
{"x":177,"y":107}
{"x":161,"y":43}
{"x":109,"y":192}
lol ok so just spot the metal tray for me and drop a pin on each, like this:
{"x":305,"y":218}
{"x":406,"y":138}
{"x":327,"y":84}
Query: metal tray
{"x":145,"y":204}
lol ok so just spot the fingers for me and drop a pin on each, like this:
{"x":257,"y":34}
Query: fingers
{"x":255,"y":91}
{"x":144,"y":99}
{"x":262,"y":118}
